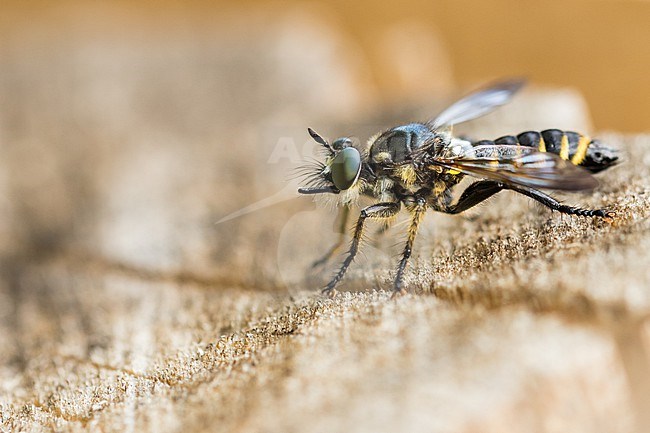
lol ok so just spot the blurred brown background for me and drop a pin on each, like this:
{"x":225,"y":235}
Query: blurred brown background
{"x":407,"y":50}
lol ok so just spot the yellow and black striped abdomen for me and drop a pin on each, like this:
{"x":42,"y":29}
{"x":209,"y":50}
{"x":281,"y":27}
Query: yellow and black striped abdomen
{"x":572,"y":146}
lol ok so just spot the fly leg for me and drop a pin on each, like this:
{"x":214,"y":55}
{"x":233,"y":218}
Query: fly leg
{"x":343,"y":222}
{"x":484,"y":189}
{"x":417,"y":214}
{"x":475,"y":194}
{"x":375,"y":211}
{"x":552,"y":203}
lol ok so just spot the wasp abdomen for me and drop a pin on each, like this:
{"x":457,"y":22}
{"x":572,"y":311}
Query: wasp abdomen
{"x":572,"y":146}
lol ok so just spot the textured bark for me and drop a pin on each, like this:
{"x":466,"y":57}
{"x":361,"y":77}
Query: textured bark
{"x":530,"y":322}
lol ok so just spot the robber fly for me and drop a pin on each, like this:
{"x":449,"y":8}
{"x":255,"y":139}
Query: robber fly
{"x":417,"y":165}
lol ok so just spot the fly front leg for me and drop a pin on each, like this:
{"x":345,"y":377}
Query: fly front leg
{"x":417,"y":214}
{"x":375,"y":211}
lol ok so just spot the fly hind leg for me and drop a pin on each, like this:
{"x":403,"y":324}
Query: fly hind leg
{"x":484,"y":189}
{"x":376,"y":211}
{"x":475,"y":194}
{"x":552,"y":203}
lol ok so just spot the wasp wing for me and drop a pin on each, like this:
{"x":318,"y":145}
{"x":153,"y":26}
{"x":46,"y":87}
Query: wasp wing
{"x":519,"y":165}
{"x":478,"y":103}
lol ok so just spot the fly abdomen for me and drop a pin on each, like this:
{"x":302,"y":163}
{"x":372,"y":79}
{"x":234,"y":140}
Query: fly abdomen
{"x":572,"y":146}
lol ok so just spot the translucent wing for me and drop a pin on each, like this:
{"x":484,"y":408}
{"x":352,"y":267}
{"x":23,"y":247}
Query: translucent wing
{"x":478,"y":103}
{"x":520,"y":165}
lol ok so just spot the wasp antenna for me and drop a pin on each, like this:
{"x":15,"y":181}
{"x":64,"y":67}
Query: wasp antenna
{"x":320,"y":139}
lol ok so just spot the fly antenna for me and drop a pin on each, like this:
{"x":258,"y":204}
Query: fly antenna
{"x":320,"y":140}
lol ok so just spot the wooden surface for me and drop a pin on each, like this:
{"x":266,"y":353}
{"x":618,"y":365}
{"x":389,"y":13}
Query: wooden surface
{"x":124,"y":307}
{"x":538,"y":324}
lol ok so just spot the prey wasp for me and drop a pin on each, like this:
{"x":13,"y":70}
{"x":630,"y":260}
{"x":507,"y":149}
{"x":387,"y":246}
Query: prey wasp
{"x":417,"y":165}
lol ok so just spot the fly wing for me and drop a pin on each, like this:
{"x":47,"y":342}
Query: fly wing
{"x":478,"y":103}
{"x":520,"y":165}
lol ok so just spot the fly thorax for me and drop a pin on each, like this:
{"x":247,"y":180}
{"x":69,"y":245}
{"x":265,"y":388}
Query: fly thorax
{"x":406,"y":174}
{"x":396,"y":145}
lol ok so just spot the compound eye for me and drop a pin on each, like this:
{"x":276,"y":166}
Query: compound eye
{"x":346,"y":167}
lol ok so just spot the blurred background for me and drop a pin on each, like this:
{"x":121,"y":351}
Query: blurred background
{"x":127,"y":129}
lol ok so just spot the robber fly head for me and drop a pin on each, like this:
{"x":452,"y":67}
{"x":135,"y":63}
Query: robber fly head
{"x":341,"y":169}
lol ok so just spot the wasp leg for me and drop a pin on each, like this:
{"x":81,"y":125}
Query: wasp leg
{"x":343,"y":223}
{"x":484,"y":189}
{"x":379,"y":210}
{"x":417,"y":214}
